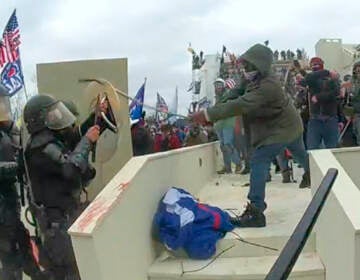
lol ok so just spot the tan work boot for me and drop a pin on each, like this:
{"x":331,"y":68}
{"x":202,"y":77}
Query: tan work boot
{"x":238,"y":169}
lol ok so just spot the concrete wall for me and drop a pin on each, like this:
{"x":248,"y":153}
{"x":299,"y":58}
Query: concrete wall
{"x":209,"y":73}
{"x":337,"y":229}
{"x":118,"y":222}
{"x":330,"y":50}
{"x":349,"y":159}
{"x":335,"y":55}
{"x":61,"y":80}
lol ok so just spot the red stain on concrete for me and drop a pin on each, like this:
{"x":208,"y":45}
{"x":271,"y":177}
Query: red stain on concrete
{"x":99,"y":207}
{"x":122,"y":186}
{"x":96,"y":209}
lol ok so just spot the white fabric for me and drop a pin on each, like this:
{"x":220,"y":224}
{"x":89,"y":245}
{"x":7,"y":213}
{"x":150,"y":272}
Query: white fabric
{"x":171,"y":198}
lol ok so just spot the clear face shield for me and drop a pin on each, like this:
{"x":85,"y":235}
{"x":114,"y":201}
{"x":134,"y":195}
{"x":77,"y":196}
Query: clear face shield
{"x":58,"y":116}
{"x":5,"y":109}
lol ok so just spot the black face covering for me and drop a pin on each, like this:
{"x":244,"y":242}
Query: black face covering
{"x":67,"y":136}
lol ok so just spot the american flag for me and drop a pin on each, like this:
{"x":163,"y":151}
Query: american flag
{"x":9,"y":45}
{"x":161,"y":105}
{"x":161,"y":108}
{"x":230,"y":83}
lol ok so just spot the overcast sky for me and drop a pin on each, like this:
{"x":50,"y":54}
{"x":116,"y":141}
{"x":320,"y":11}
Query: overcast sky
{"x":154,"y":35}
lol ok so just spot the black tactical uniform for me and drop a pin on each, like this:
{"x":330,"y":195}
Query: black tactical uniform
{"x":15,"y":247}
{"x":57,"y":162}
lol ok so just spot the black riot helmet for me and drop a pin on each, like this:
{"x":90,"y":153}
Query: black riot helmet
{"x":44,"y":111}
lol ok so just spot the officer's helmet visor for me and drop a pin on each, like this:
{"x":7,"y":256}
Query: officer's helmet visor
{"x":59,"y":117}
{"x":5,"y":112}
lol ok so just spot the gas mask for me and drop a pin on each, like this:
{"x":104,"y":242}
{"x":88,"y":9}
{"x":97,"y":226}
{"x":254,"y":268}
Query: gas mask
{"x":250,"y":72}
{"x":317,"y":67}
{"x":251,"y":75}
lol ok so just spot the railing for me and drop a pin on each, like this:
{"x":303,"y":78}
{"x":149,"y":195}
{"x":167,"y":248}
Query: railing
{"x":288,"y":256}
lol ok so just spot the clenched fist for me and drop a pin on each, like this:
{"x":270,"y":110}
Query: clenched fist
{"x":93,"y":133}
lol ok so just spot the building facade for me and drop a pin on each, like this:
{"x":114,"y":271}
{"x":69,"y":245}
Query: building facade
{"x":337,"y":55}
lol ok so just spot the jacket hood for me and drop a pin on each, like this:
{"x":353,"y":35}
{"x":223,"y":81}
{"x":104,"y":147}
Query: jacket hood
{"x":261,"y":56}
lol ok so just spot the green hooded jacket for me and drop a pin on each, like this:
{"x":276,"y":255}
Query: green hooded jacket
{"x":270,"y":113}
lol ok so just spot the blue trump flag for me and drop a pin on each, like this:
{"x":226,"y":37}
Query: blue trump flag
{"x":12,"y":77}
{"x":10,"y":65}
{"x":136,"y":105}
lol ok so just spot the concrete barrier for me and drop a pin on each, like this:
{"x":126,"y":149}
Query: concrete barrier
{"x":337,"y":229}
{"x":112,"y":237}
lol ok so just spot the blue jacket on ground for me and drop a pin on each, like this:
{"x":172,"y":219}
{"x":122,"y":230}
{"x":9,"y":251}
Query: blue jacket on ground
{"x":183,"y":222}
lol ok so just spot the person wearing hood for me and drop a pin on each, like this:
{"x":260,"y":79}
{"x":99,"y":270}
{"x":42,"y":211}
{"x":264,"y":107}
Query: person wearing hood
{"x":274,"y":125}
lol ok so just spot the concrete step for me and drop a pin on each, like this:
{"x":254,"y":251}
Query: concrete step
{"x":308,"y":267}
{"x":282,"y":215}
{"x":253,"y":246}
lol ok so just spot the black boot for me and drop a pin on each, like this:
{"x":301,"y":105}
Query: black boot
{"x":268,"y":177}
{"x":286,"y":176}
{"x":277,"y":168}
{"x":306,"y":181}
{"x":252,"y":217}
{"x":224,"y":170}
{"x":246,"y":169}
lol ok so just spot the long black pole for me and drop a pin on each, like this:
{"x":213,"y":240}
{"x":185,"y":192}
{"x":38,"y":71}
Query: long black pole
{"x":288,"y":256}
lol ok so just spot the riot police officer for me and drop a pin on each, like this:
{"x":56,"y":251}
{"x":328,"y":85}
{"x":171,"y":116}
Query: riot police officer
{"x":56,"y":157}
{"x":15,"y":247}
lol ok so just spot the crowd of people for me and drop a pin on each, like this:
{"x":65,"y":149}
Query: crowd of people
{"x":322,"y":112}
{"x":331,"y":120}
{"x":150,"y":138}
{"x":256,"y":122}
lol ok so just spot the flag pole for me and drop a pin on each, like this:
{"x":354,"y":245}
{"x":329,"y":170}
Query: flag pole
{"x":23,"y":78}
{"x":156,"y":105}
{"x":125,"y":95}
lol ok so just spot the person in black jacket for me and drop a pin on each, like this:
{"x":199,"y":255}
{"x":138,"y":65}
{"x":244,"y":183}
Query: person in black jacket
{"x":15,"y":246}
{"x":324,"y":90}
{"x":56,"y":157}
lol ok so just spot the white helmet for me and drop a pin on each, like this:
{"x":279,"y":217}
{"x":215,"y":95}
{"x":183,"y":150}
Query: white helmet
{"x":219,"y":80}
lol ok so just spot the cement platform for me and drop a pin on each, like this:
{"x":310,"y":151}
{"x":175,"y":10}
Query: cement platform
{"x":286,"y":205}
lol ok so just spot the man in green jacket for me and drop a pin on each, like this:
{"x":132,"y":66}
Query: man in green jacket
{"x":274,"y":125}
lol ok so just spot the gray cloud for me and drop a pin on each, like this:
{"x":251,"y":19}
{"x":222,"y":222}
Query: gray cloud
{"x":154,"y":34}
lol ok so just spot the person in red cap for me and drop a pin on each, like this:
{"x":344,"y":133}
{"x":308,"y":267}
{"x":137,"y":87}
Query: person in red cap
{"x":323,"y":92}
